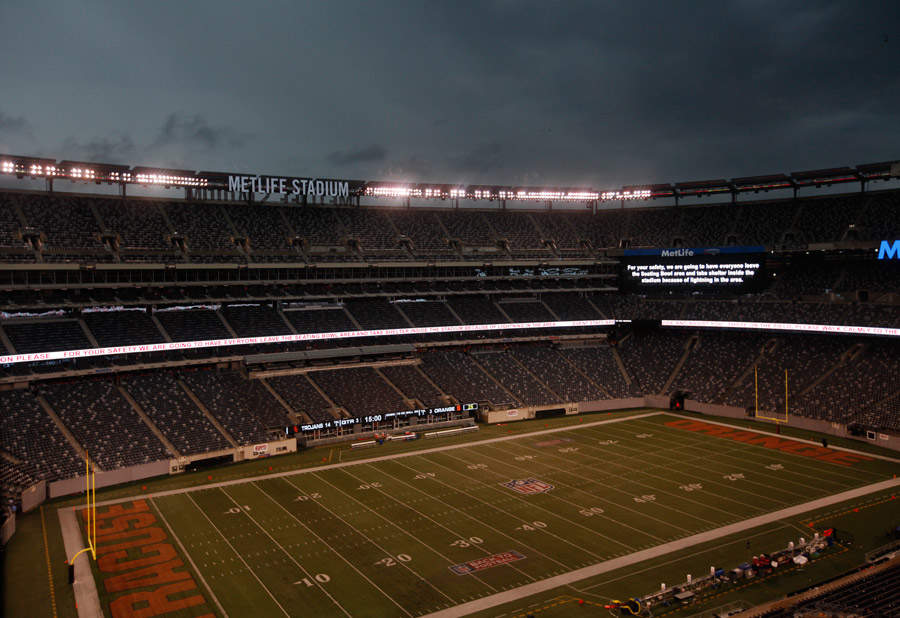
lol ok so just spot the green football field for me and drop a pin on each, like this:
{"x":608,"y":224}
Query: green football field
{"x":436,"y":529}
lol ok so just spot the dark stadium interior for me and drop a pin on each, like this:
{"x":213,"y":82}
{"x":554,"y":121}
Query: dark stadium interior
{"x":89,"y":272}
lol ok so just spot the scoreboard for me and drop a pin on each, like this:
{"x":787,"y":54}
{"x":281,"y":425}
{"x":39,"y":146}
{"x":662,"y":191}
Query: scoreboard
{"x":370,"y":419}
{"x":732,"y":269}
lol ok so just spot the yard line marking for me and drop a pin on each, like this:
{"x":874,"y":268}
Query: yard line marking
{"x":394,"y":524}
{"x":659,"y":452}
{"x":437,"y":449}
{"x":266,"y":532}
{"x":188,"y":556}
{"x":372,"y":541}
{"x":569,"y":578}
{"x":480,"y":522}
{"x":560,"y":499}
{"x":623,"y":491}
{"x":315,"y":534}
{"x":438,"y":524}
{"x":227,"y":542}
{"x":769,"y":433}
{"x":521,"y":520}
{"x":654,"y":487}
{"x":796,"y":460}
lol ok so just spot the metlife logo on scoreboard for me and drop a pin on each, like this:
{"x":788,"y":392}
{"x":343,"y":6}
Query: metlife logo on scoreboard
{"x":889,"y":251}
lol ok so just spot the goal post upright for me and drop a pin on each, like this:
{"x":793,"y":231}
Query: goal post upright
{"x":90,"y":486}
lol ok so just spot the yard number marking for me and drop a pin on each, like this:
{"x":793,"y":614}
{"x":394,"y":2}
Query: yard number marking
{"x":369,"y":486}
{"x":312,"y":496}
{"x":592,"y":511}
{"x":389,"y":562}
{"x":532,"y":526}
{"x":322,"y":578}
{"x":472,"y":540}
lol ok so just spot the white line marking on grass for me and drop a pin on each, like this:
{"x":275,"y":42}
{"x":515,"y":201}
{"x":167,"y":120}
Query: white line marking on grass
{"x":566,"y":579}
{"x":266,"y":532}
{"x":402,"y":563}
{"x":227,"y":542}
{"x":315,"y":534}
{"x":601,"y":499}
{"x":512,"y":517}
{"x":481,"y":523}
{"x":739,"y":541}
{"x":633,"y":482}
{"x":557,"y":498}
{"x":796,"y":460}
{"x":662,"y":490}
{"x":423,"y":516}
{"x":188,"y":556}
{"x":85,"y":587}
{"x":686,"y":461}
{"x":782,"y":436}
{"x":437,"y":449}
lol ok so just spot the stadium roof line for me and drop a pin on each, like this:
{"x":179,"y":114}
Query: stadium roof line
{"x":35,"y":167}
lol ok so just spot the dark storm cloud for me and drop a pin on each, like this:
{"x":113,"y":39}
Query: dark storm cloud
{"x":195,"y":132}
{"x":374,"y":152}
{"x":506,"y":92}
{"x":485,"y":158}
{"x":14,"y":125}
{"x":118,"y":149}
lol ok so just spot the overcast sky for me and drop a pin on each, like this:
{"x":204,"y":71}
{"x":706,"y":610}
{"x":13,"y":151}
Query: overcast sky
{"x":599,"y":94}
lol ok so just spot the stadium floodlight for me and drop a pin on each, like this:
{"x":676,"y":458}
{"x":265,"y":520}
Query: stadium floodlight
{"x":637,"y":194}
{"x":7,"y":167}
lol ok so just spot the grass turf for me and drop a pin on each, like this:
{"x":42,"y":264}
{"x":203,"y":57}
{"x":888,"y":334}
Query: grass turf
{"x":379,"y":537}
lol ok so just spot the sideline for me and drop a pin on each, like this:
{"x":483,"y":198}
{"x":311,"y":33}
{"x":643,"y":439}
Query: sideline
{"x":516,"y":594}
{"x":86,"y":598}
{"x":437,"y":449}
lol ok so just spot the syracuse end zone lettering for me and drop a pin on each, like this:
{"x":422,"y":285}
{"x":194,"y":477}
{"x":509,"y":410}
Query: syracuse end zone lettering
{"x":132,"y":558}
{"x":821,"y":453}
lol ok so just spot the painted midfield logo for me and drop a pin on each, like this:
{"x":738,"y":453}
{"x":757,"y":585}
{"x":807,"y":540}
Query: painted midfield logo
{"x":528,"y":486}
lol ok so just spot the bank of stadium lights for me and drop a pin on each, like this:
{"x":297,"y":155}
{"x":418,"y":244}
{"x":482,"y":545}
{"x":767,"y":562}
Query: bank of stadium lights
{"x":393,"y":191}
{"x":82,"y":174}
{"x":162,"y":179}
{"x":640,"y":194}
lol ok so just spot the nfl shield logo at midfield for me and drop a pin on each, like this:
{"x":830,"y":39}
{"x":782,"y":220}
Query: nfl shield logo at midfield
{"x":528,"y":486}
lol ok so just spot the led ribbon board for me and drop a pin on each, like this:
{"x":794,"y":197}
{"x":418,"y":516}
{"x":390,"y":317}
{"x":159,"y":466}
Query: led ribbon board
{"x":388,"y":332}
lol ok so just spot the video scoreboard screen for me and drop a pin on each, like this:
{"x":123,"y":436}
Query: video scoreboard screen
{"x":733,"y":269}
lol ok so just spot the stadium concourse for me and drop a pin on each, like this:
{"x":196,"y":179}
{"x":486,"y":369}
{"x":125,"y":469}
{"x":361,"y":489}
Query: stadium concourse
{"x":146,"y":330}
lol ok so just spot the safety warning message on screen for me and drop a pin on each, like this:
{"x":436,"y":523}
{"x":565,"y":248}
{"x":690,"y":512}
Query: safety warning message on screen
{"x":702,"y":273}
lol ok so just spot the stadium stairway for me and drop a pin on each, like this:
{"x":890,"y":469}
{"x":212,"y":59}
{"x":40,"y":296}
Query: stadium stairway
{"x":65,"y":430}
{"x":688,"y":348}
{"x":621,"y":364}
{"x":769,"y":345}
{"x":410,"y":402}
{"x":147,"y":420}
{"x":207,"y":413}
{"x":536,"y":378}
{"x":853,"y":352}
{"x":162,"y":330}
{"x":493,"y":379}
{"x":225,"y":323}
{"x":577,"y":369}
{"x":295,"y":415}
{"x":88,"y":333}
{"x":6,"y":342}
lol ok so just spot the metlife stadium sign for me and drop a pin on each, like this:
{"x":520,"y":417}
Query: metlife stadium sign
{"x":292,"y":186}
{"x":889,"y":251}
